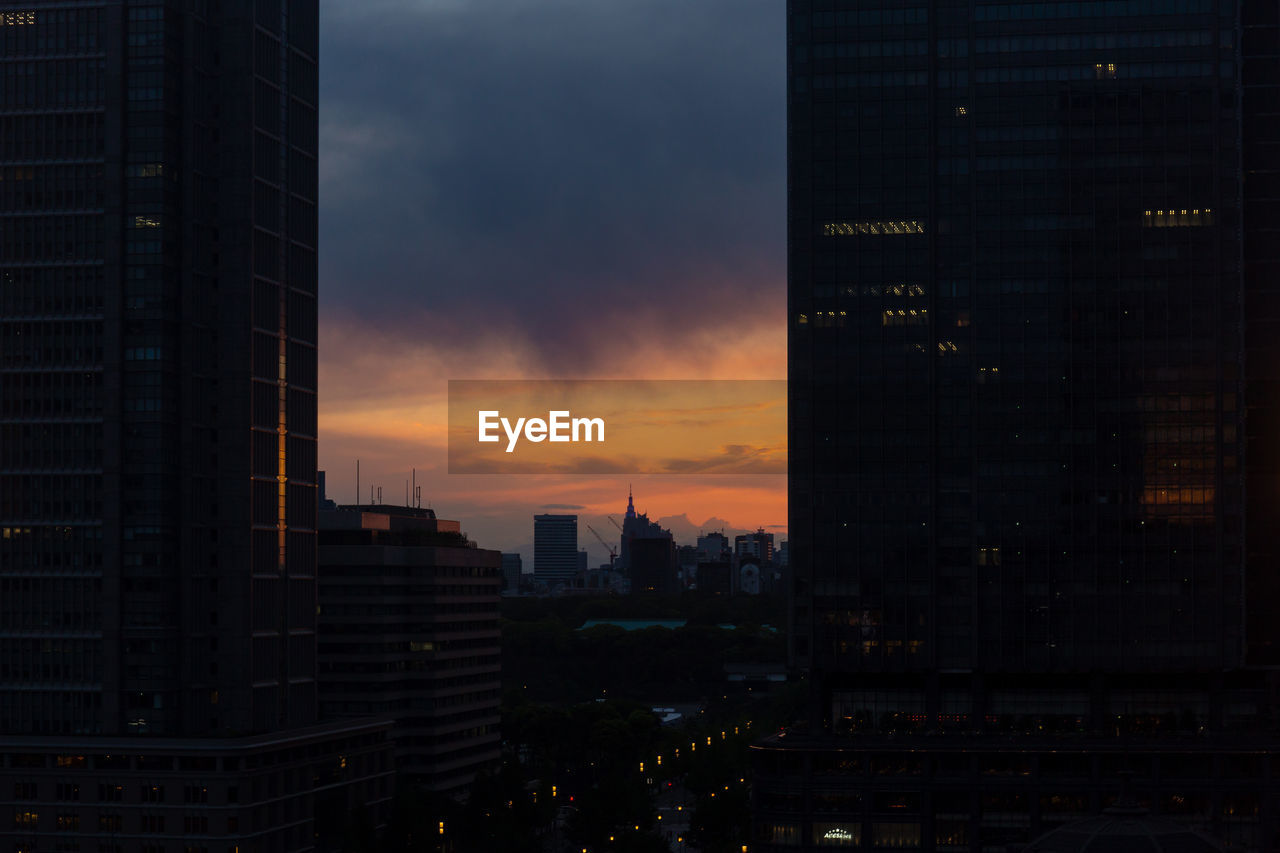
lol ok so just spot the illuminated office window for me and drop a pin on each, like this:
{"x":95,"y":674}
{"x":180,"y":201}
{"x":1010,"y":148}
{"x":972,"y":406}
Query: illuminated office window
{"x":1182,"y":218}
{"x":904,"y":317}
{"x":876,"y":227}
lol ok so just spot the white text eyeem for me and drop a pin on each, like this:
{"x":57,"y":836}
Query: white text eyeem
{"x":559,"y":426}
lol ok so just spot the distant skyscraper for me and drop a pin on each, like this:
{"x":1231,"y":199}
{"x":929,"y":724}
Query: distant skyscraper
{"x":713,"y":546}
{"x":636,"y":525}
{"x":1033,"y":412}
{"x":157,"y":403}
{"x":758,"y":545}
{"x":653,"y":564}
{"x":555,"y":549}
{"x":512,"y":572}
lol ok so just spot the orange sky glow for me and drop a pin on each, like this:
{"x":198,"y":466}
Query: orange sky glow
{"x":384,"y":401}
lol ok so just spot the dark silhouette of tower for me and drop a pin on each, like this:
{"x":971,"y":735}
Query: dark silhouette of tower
{"x":158,"y":415}
{"x":1031,"y":408}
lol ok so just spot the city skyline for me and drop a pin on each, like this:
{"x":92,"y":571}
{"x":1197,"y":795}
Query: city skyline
{"x":474,"y":227}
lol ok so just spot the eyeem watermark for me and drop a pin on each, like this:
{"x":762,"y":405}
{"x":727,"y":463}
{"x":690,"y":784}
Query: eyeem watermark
{"x":552,"y":426}
{"x":559,"y":426}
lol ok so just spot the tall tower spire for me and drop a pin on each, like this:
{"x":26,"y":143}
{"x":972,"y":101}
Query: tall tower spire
{"x":631,"y":506}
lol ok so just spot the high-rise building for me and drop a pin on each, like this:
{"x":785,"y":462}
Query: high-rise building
{"x":758,"y":546}
{"x":408,"y":629}
{"x":648,"y":553}
{"x":158,"y":402}
{"x":512,"y":573}
{"x":1032,"y":415}
{"x":713,"y":546}
{"x":157,"y":385}
{"x":652,"y":564}
{"x":555,"y":549}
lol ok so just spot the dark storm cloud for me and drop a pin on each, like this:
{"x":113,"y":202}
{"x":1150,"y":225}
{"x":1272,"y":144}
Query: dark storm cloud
{"x":575,"y":174}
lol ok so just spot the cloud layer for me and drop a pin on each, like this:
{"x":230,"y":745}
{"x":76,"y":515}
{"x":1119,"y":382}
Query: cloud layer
{"x":532,"y":188}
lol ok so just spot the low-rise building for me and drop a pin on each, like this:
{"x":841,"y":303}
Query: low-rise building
{"x":408,"y":630}
{"x":294,"y":791}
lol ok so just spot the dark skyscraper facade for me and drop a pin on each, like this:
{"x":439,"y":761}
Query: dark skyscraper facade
{"x":157,"y":434}
{"x":1032,"y":389}
{"x":157,"y":383}
{"x":1017,"y":360}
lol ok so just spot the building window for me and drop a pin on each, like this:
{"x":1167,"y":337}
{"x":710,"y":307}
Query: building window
{"x":896,"y":835}
{"x":876,"y":227}
{"x":1177,"y":218}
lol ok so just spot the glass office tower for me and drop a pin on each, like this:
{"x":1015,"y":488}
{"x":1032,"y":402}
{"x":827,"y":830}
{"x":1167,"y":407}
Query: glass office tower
{"x":1032,"y":388}
{"x":157,"y":433}
{"x":157,"y":383}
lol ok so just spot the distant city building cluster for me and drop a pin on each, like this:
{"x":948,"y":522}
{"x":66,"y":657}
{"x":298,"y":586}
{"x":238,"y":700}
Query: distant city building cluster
{"x":648,"y":561}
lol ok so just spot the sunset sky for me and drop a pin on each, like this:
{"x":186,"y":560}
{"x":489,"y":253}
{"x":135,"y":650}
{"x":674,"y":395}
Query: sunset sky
{"x":546,"y":189}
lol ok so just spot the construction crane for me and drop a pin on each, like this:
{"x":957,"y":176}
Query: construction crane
{"x":615,"y":522}
{"x":613,"y":554}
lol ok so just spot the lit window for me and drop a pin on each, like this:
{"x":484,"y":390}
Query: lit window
{"x":17,"y":19}
{"x":904,"y":317}
{"x":828,"y":319}
{"x":961,"y":111}
{"x":877,"y":227}
{"x":1182,"y":218}
{"x":1104,"y":70}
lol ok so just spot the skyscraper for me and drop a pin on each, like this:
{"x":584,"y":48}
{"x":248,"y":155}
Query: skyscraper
{"x":1030,"y":435}
{"x":157,"y":381}
{"x":512,"y":572}
{"x":555,"y":549}
{"x":159,"y":388}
